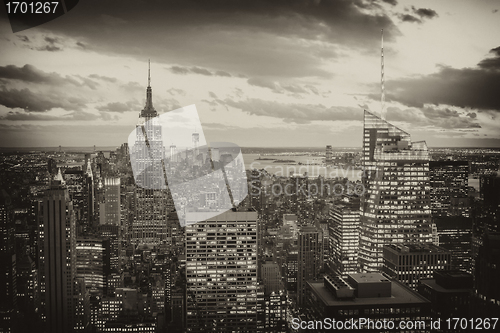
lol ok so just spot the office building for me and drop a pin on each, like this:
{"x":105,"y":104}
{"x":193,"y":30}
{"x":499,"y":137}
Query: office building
{"x":110,"y":212}
{"x":395,"y":206}
{"x":344,"y":236}
{"x":410,"y":262}
{"x":450,"y":293}
{"x":364,"y":295}
{"x":151,"y":198}
{"x":57,"y":260}
{"x":449,"y":188}
{"x":310,"y":258}
{"x":221,"y":273}
{"x":91,"y":260}
{"x":455,"y":235}
{"x":271,"y":277}
{"x":487,"y":275}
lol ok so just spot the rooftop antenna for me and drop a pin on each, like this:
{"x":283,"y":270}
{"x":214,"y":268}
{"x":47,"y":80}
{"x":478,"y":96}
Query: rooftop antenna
{"x":149,"y":72}
{"x":382,"y":88}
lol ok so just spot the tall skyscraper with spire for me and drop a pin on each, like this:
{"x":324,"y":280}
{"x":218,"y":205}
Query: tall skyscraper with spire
{"x":395,"y":206}
{"x":150,"y":218}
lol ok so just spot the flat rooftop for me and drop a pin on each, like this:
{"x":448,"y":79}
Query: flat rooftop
{"x":433,"y":284}
{"x":416,"y":248}
{"x":368,"y":277}
{"x":399,"y":295}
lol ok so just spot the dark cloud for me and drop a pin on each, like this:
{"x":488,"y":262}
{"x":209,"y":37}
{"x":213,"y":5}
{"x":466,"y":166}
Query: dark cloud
{"x":80,"y":44}
{"x":211,"y":94}
{"x":492,"y":63}
{"x":235,"y":36}
{"x":119,"y":106}
{"x":409,"y":18}
{"x":37,"y":101}
{"x":466,"y":87}
{"x":179,"y":70}
{"x":444,"y":118}
{"x":391,"y":2}
{"x":422,"y":13}
{"x":24,"y":38}
{"x":32,"y":116}
{"x":293,"y":112}
{"x":31,"y":74}
{"x":425,"y":12}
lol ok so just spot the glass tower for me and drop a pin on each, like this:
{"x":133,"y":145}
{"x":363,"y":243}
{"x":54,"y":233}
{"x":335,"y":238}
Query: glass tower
{"x":395,"y":206}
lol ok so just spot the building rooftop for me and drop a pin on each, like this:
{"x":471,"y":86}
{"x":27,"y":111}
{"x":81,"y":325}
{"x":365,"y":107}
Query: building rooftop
{"x":400,"y":294}
{"x":435,"y":286}
{"x":416,"y":248}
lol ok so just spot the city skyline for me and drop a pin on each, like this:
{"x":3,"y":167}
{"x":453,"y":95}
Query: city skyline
{"x":261,"y":75}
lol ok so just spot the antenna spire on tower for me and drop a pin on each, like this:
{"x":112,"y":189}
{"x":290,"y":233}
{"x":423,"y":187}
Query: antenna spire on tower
{"x":382,"y":88}
{"x":149,"y":72}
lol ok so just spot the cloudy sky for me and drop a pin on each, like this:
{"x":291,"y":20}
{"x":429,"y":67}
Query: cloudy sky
{"x":262,"y":73}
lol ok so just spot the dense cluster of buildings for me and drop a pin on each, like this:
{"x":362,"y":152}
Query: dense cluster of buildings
{"x":88,"y":244}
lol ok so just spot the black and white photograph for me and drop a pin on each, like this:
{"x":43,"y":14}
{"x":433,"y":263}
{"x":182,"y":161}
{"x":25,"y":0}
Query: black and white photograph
{"x":249,"y":166}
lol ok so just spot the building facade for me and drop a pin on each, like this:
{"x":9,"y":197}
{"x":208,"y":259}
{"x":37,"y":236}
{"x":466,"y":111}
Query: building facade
{"x":221,"y":273}
{"x":395,"y":206}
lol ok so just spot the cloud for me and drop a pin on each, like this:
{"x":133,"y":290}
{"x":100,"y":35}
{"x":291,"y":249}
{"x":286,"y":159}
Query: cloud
{"x":253,"y":38}
{"x":174,"y":91}
{"x":391,"y":2}
{"x":38,"y":102}
{"x":493,"y":62}
{"x":425,"y":12}
{"x":466,"y":87}
{"x":103,"y":78}
{"x":281,"y":87}
{"x":409,"y":18}
{"x":197,"y":70}
{"x":293,"y":112}
{"x":213,"y":95}
{"x":418,"y":15}
{"x":201,"y":71}
{"x":435,"y":117}
{"x":119,"y":106}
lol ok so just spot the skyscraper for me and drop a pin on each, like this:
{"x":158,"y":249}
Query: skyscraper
{"x":449,"y":188}
{"x":395,"y":206}
{"x":310,"y":258}
{"x":111,"y":214}
{"x":57,"y":257}
{"x":146,"y":155}
{"x":344,"y":236}
{"x":221,"y":273}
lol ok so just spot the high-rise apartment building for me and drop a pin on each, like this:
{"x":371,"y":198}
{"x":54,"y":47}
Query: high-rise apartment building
{"x":395,"y":206}
{"x":221,"y":273}
{"x":57,"y":246}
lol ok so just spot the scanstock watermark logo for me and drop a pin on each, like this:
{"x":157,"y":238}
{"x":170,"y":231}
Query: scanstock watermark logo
{"x":170,"y":151}
{"x":28,"y":13}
